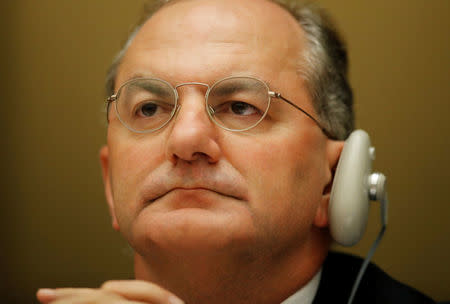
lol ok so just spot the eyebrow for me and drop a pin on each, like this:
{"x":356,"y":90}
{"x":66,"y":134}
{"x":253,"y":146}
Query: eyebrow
{"x":151,"y":86}
{"x":141,"y":75}
{"x":232,"y":88}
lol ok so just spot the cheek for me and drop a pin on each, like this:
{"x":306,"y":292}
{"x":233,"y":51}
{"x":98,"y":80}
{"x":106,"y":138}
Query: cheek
{"x":284,"y":178}
{"x":277,"y":163}
{"x":132,"y":159}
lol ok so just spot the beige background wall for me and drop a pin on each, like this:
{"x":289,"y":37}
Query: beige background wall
{"x":54,"y":223}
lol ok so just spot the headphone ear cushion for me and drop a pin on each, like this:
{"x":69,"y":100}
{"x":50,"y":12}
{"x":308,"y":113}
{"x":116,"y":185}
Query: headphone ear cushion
{"x":349,"y":199}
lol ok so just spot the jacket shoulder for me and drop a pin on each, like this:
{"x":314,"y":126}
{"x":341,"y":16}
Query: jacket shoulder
{"x":339,"y":273}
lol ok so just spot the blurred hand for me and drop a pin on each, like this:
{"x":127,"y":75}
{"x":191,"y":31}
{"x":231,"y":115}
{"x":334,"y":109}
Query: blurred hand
{"x":117,"y":292}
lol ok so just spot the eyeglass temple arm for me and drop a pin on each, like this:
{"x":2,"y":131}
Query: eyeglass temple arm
{"x":278,"y":95}
{"x":108,"y":104}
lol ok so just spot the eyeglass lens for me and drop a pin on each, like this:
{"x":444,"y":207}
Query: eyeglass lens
{"x":237,"y":103}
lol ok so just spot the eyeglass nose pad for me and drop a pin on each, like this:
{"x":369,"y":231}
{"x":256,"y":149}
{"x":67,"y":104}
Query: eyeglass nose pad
{"x":175,"y":113}
{"x":211,"y":110}
{"x":177,"y":110}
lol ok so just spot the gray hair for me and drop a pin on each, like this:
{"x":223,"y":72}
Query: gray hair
{"x":323,"y":64}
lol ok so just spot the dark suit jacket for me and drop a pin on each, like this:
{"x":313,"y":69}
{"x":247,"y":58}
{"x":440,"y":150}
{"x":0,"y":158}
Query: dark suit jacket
{"x":339,"y":273}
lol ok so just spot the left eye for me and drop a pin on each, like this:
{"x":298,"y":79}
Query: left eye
{"x":242,"y":108}
{"x":148,"y":109}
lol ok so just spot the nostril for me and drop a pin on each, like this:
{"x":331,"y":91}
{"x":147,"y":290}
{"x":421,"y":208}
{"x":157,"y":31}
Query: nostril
{"x":201,"y":155}
{"x":189,"y":159}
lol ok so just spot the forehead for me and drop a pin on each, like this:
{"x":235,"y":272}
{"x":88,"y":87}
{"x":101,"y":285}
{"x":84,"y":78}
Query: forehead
{"x":204,"y":36}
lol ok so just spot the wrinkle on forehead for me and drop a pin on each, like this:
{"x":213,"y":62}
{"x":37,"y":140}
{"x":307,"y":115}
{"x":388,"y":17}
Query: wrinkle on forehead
{"x":257,"y":24}
{"x":207,"y":22}
{"x":206,"y":40}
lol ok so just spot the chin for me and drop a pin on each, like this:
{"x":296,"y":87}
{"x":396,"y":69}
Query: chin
{"x":193,"y":230}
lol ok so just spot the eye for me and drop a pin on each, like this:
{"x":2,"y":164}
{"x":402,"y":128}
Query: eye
{"x":147,"y":109}
{"x":243,"y":108}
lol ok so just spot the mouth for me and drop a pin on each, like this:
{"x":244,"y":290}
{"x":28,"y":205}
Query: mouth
{"x":191,"y":191}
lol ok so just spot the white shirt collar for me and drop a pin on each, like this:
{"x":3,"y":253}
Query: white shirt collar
{"x":307,"y":293}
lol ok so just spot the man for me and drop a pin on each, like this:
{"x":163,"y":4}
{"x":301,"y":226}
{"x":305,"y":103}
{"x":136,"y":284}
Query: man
{"x":226,"y":122}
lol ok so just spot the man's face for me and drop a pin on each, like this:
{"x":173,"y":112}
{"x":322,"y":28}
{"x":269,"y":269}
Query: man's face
{"x":194,"y":187}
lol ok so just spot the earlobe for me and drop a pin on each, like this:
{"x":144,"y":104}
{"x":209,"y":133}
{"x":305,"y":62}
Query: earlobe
{"x":104,"y":161}
{"x":333,"y":152}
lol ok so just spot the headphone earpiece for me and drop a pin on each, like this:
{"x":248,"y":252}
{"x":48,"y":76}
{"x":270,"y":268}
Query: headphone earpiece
{"x":352,"y":188}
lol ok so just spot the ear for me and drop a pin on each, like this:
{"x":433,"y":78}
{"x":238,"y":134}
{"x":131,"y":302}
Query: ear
{"x":333,"y":152}
{"x":104,"y":161}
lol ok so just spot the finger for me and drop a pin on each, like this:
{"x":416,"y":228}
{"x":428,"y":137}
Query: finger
{"x":142,"y":291}
{"x":46,"y":295}
{"x":97,"y":299}
{"x":81,"y":296}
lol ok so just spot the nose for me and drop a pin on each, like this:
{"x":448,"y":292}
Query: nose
{"x":193,"y":136}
